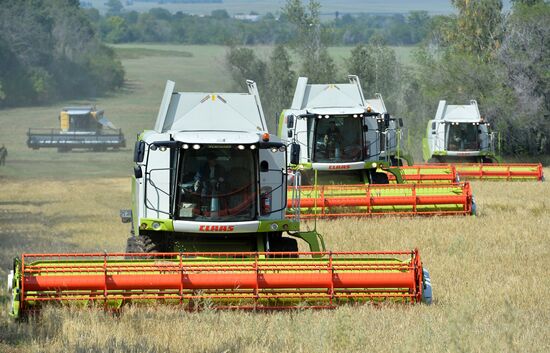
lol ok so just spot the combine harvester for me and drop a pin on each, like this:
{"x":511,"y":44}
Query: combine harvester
{"x":80,"y":127}
{"x":346,"y":149}
{"x":460,"y":136}
{"x":208,"y":218}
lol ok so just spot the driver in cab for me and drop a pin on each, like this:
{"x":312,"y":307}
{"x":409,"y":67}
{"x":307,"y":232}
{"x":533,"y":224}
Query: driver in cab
{"x":209,"y":176}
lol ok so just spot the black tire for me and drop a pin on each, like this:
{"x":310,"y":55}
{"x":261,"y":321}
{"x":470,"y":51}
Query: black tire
{"x":379,"y":178}
{"x":144,"y":244}
{"x":283,"y":244}
{"x":396,"y":162}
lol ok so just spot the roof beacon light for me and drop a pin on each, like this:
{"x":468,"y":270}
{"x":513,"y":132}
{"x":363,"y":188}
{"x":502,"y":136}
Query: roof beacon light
{"x":265,"y":136}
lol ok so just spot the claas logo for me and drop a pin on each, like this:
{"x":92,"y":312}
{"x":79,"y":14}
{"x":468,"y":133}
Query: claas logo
{"x":205,"y":228}
{"x":339,"y":167}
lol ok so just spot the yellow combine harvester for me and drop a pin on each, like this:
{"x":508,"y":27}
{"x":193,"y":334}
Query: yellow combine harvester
{"x":80,"y":127}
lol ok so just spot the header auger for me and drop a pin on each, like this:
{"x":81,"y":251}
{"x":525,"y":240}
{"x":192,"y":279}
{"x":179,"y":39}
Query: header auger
{"x":210,"y":228}
{"x":459,"y":135}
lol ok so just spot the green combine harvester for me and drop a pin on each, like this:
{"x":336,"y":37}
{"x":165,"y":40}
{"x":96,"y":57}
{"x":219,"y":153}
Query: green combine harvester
{"x":346,"y":150}
{"x":460,"y":138}
{"x":210,"y":228}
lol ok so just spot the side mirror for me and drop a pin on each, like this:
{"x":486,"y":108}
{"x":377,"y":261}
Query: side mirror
{"x":386,"y":117}
{"x":290,"y":122}
{"x":264,"y":166}
{"x":400,"y":121}
{"x":139,"y":151}
{"x":137,"y":172}
{"x":295,"y":154}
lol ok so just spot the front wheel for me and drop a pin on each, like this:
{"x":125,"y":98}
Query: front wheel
{"x":144,"y":243}
{"x":379,"y":178}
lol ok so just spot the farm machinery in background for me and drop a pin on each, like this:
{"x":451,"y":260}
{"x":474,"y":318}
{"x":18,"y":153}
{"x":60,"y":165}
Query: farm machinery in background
{"x":347,"y":150}
{"x":461,"y":137}
{"x":210,"y":228}
{"x":80,"y":127}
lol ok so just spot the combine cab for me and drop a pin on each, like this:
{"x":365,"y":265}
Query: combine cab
{"x":345,"y":148}
{"x":210,"y":228}
{"x":459,"y":135}
{"x":80,"y":127}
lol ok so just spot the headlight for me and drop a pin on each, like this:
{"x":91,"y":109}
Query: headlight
{"x":156,"y":225}
{"x":274,"y":226}
{"x":196,"y":147}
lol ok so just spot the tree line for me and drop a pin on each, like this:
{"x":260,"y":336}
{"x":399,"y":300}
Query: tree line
{"x":160,"y":25}
{"x":502,"y":59}
{"x":49,"y":50}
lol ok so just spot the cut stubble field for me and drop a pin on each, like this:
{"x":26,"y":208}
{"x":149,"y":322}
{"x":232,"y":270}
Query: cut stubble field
{"x":491,"y":282}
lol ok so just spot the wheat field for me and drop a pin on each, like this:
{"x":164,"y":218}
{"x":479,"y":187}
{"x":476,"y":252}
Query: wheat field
{"x":489,"y":273}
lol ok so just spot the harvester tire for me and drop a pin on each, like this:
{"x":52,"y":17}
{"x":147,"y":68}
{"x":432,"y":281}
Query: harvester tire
{"x":396,"y":162}
{"x":379,"y":178}
{"x":143,"y":244}
{"x":283,"y":244}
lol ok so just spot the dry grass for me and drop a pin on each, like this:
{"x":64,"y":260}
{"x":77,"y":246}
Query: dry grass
{"x":489,"y":274}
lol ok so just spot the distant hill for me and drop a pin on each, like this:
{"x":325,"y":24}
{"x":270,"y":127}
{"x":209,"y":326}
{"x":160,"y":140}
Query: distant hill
{"x":264,"y":6}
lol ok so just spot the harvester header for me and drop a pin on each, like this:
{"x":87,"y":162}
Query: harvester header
{"x":256,"y":281}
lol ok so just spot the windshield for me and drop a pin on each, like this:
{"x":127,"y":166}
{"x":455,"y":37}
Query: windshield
{"x":216,"y":183}
{"x":463,"y":137}
{"x":338,"y":139}
{"x":81,"y":122}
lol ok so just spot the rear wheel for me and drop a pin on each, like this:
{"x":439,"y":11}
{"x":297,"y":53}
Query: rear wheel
{"x":379,"y":178}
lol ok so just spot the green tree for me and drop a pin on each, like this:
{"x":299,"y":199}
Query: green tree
{"x":281,"y":80}
{"x":245,"y":65}
{"x":49,"y":50}
{"x":525,"y":54}
{"x":310,"y":41}
{"x":118,"y":30}
{"x":114,"y":7}
{"x":477,"y":29}
{"x":378,"y":69}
